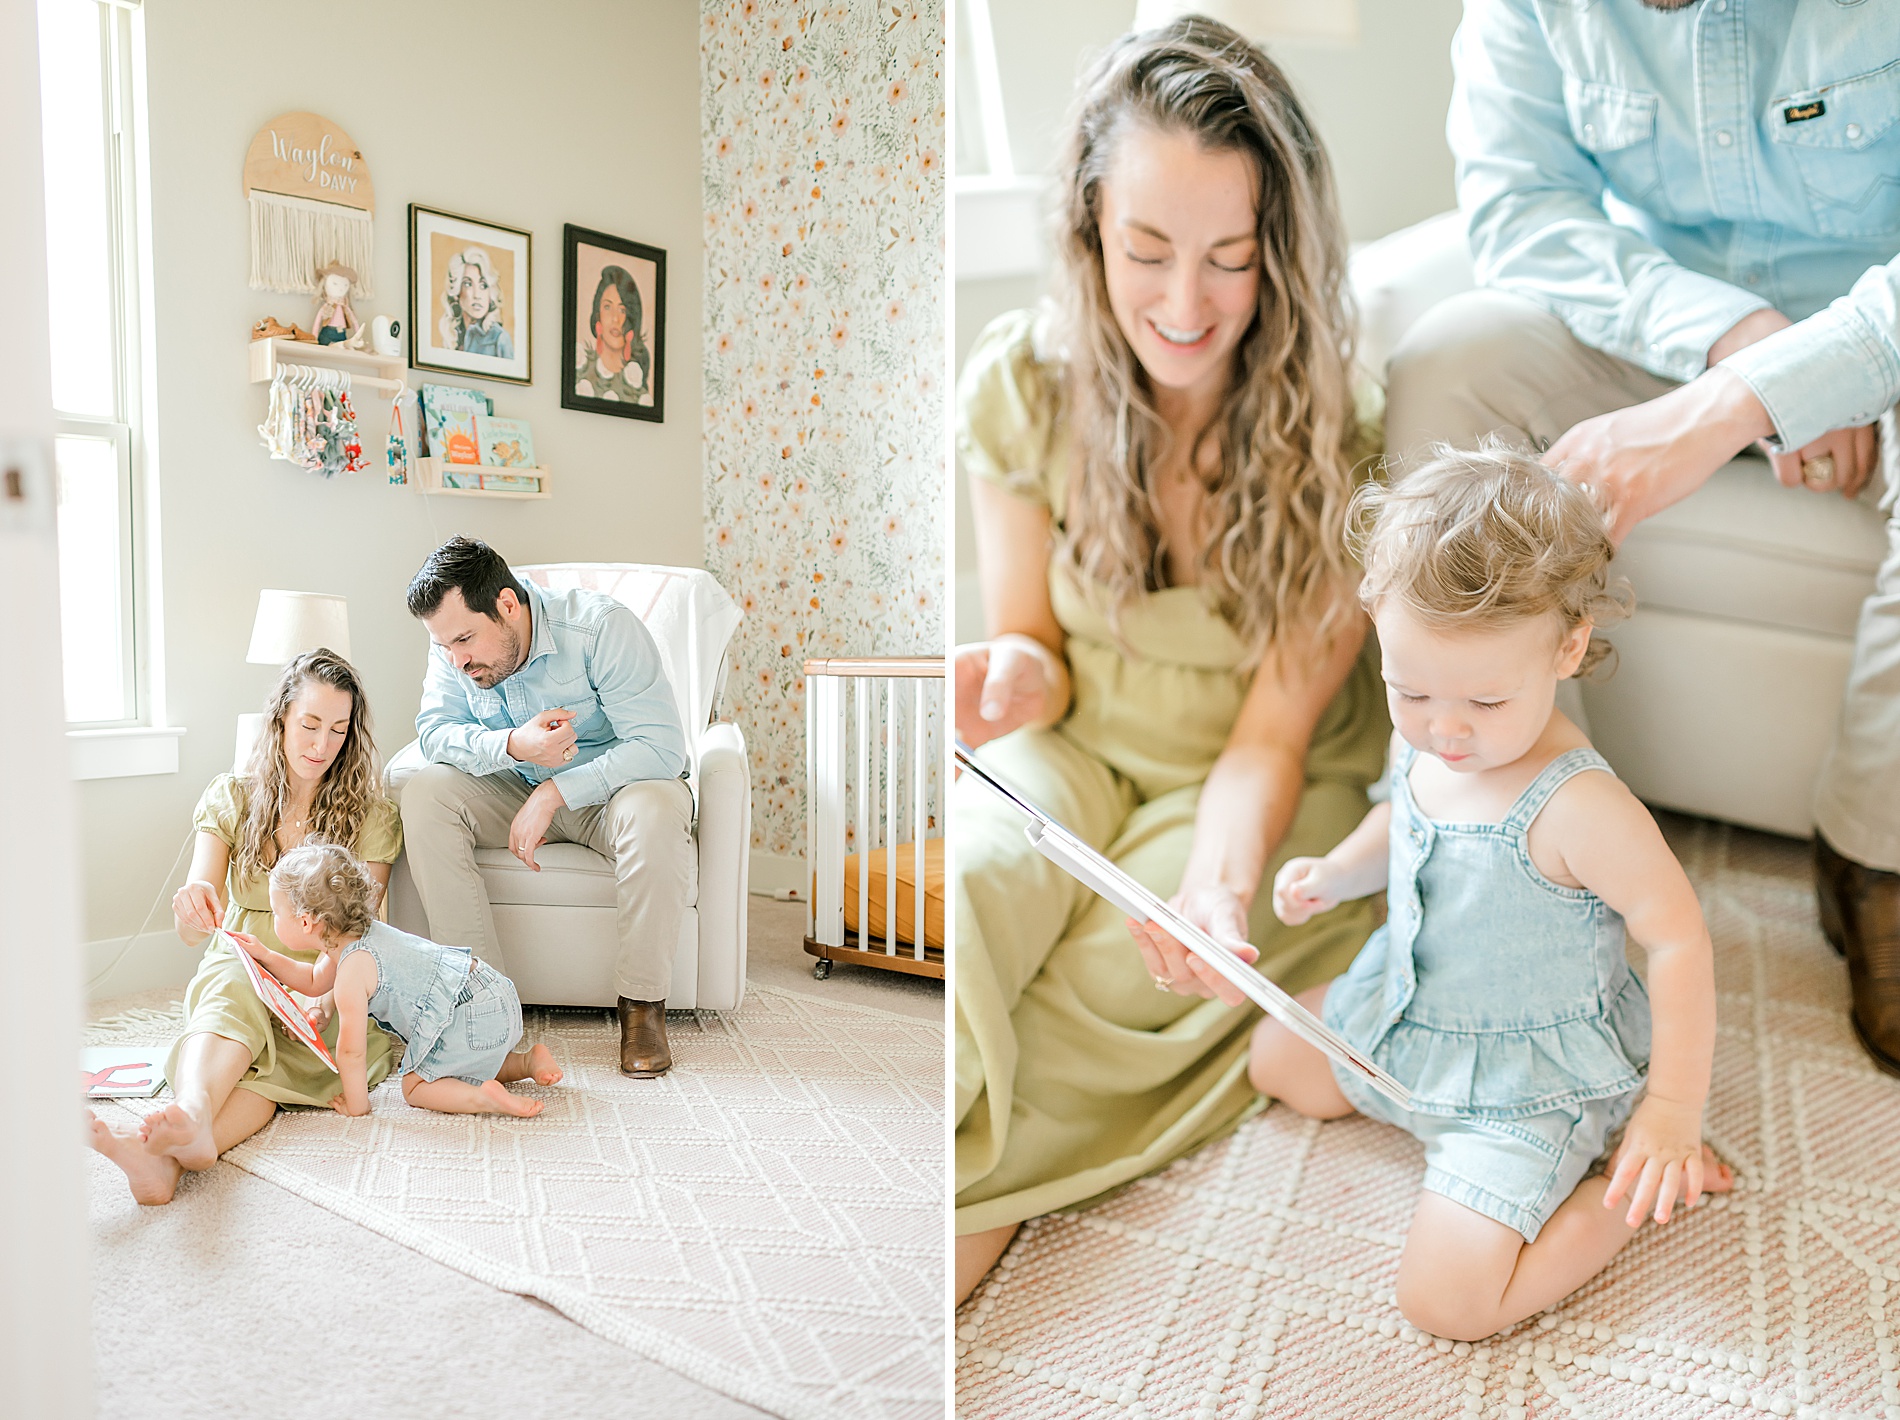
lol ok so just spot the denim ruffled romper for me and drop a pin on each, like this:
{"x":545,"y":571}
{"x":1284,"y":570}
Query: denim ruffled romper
{"x":1503,"y":1001}
{"x":458,"y":1015}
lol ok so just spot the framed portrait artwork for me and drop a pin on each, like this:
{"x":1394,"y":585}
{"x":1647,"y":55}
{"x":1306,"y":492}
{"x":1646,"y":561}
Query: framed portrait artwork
{"x":613,"y":326}
{"x":471,"y":296}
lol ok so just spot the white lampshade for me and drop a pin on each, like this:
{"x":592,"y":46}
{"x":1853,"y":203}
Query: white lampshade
{"x":290,"y":623}
{"x":1323,"y":21}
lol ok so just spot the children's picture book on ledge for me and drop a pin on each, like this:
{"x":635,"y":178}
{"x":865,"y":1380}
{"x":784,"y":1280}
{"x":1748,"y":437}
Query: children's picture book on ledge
{"x":448,"y":422}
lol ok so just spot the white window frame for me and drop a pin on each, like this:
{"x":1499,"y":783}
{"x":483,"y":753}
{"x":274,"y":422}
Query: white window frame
{"x":141,"y":742}
{"x":998,"y":213}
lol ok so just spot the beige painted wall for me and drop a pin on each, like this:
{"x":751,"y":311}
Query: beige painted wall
{"x":528,"y":115}
{"x":1379,"y":105}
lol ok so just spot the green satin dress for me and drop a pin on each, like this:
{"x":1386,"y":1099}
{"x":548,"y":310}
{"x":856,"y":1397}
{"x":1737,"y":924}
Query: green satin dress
{"x":1073,"y":1074}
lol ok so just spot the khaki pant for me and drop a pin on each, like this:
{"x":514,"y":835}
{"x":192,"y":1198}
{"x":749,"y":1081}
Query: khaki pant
{"x":1490,"y":362}
{"x":645,"y":830}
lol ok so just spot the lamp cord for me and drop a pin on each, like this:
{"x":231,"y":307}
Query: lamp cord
{"x":114,"y":963}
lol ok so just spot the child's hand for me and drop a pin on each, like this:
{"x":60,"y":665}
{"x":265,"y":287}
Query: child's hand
{"x":251,"y":946}
{"x":318,"y":1013}
{"x":1659,"y":1160}
{"x":341,"y":1105}
{"x":1303,"y":888}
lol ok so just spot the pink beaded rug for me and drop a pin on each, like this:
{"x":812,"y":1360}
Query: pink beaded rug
{"x":1255,"y":1277}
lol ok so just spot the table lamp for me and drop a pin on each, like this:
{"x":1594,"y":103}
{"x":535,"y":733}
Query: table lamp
{"x":287,"y":625}
{"x":1322,"y":21}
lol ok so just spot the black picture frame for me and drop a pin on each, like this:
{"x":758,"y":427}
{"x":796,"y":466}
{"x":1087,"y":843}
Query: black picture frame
{"x":426,"y":350}
{"x":577,"y":324}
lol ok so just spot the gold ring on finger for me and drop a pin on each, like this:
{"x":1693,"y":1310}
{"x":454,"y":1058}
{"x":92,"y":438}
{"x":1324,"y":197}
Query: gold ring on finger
{"x":1164,"y":983}
{"x":1818,"y":473}
{"x":568,"y":753}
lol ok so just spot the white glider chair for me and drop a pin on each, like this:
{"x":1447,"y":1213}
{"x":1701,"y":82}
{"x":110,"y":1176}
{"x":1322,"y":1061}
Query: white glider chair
{"x":557,"y":926}
{"x":1729,"y":678}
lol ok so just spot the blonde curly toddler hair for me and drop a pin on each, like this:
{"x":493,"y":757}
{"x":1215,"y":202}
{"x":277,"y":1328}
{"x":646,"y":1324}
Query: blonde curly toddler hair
{"x":1478,"y":539}
{"x":327,"y":881}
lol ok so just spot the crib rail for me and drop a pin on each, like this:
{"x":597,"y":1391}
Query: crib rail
{"x":860,"y":711}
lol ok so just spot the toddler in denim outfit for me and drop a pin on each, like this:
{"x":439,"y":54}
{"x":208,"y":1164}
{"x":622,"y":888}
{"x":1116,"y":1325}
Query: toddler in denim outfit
{"x":459,"y":1018}
{"x":1497,"y":991}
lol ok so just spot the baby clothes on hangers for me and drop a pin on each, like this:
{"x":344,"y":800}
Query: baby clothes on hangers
{"x":311,"y":421}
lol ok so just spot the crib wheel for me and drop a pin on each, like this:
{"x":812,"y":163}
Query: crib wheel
{"x":821,"y":968}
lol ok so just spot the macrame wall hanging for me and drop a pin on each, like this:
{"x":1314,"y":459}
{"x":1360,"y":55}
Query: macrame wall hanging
{"x":311,"y":204}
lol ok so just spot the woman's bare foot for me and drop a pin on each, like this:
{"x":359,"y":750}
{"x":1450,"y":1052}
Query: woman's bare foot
{"x":153,"y":1178}
{"x":505,"y":1103}
{"x":174,"y":1132}
{"x":541,"y":1067}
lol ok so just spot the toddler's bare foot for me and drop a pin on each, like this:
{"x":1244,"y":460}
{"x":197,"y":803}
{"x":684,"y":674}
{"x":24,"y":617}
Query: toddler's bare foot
{"x":505,"y":1103}
{"x":1717,"y":1177}
{"x":176,"y":1133}
{"x":541,"y":1066}
{"x":153,"y":1178}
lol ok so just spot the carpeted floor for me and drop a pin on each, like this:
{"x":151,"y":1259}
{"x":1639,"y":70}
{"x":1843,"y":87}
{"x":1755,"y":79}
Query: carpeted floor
{"x":204,"y":1306}
{"x":1254,"y":1278}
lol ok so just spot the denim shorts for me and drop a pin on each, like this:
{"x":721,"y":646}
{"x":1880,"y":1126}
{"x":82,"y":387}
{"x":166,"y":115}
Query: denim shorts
{"x":1518,"y":1171}
{"x":486,"y":1026}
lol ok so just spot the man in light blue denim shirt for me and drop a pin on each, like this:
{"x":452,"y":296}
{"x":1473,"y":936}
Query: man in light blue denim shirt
{"x":1685,"y":215}
{"x":548,"y":716}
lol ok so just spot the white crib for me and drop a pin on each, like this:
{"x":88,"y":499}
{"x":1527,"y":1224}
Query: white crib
{"x":874,"y":754}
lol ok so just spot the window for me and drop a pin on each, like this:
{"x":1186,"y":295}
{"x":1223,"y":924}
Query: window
{"x":88,"y":95}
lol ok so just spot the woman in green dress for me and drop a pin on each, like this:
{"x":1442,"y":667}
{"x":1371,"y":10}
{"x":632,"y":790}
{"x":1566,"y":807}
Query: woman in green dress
{"x":312,"y":775}
{"x":1178,"y":669}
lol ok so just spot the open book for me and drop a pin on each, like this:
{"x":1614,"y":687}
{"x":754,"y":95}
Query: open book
{"x":283,"y":1005}
{"x":1097,"y":873}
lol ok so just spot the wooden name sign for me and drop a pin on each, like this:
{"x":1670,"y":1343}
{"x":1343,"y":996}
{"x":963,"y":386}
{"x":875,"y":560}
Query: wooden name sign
{"x":305,"y":155}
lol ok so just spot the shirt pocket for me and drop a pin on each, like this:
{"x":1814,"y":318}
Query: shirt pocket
{"x":1617,"y":128}
{"x":1844,"y":140}
{"x":577,"y":694}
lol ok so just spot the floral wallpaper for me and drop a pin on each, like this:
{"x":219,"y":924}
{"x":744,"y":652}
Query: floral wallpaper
{"x":823,"y":162}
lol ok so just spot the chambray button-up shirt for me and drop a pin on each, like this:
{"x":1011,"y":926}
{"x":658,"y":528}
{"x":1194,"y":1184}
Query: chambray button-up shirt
{"x":587,"y":653}
{"x":1651,"y":177}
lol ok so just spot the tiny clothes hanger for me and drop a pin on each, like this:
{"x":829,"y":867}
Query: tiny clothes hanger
{"x":311,"y":421}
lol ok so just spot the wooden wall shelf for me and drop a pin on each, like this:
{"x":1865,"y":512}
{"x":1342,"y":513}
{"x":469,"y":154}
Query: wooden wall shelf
{"x":429,"y":480}
{"x":267,"y":355}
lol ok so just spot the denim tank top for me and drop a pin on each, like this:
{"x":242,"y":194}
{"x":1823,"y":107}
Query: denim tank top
{"x":418,"y":983}
{"x":1490,"y":989}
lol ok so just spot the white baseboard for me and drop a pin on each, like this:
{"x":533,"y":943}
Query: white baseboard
{"x":114,"y":968}
{"x":773,"y":873}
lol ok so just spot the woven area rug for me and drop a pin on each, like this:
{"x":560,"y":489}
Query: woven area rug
{"x":1255,"y":1277}
{"x":766,"y":1219}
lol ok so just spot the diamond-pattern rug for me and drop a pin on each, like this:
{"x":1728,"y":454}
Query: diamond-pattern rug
{"x":1255,"y":1277}
{"x":767,"y":1218}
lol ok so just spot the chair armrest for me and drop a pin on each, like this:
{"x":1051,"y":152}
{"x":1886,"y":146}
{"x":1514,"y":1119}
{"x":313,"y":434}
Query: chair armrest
{"x":725,"y":856}
{"x":1398,"y":278}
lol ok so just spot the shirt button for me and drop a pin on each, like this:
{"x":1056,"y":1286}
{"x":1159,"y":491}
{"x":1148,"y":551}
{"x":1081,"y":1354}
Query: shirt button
{"x":1751,"y":279}
{"x":1721,"y":7}
{"x":1853,"y":132}
{"x":1590,"y":131}
{"x":1723,"y":137}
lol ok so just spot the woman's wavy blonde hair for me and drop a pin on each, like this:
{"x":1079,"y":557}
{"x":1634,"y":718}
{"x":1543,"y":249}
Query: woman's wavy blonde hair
{"x":1480,"y":539}
{"x":349,"y":786}
{"x":1274,"y":554}
{"x":330,"y":883}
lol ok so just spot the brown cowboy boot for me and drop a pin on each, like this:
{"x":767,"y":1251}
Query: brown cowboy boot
{"x":1860,"y":916}
{"x":643,"y":1048}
